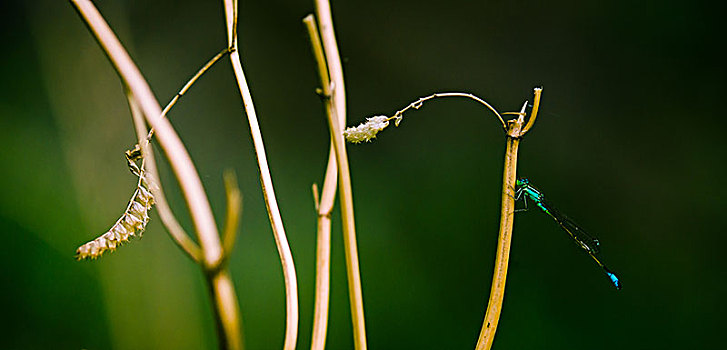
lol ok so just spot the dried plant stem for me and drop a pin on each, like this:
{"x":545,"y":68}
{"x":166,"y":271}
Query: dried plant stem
{"x":497,"y":292}
{"x":336,"y":121}
{"x":221,"y":288}
{"x":234,"y":212}
{"x":418,"y":103}
{"x":515,"y":131}
{"x":323,"y":255}
{"x":224,"y":300}
{"x":281,"y":241}
{"x":333,"y":59}
{"x":189,"y":84}
{"x":179,"y":236}
{"x":349,"y":236}
{"x":325,"y":205}
{"x":168,"y":139}
{"x":534,"y":113}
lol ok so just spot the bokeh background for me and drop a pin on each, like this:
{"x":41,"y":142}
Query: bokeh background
{"x":629,"y":143}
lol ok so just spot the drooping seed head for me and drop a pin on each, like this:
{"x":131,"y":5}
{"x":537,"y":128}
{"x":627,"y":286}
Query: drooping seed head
{"x":366,"y":131}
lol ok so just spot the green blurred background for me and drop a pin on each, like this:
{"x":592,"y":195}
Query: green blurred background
{"x":629,"y":143}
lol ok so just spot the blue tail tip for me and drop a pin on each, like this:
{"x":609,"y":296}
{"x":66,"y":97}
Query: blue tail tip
{"x":616,"y":282}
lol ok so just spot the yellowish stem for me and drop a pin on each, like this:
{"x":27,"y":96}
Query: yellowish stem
{"x":325,"y":205}
{"x":516,"y":129}
{"x":349,"y":237}
{"x":336,"y":118}
{"x":276,"y":221}
{"x":226,"y":308}
{"x":497,"y":292}
{"x":234,"y":212}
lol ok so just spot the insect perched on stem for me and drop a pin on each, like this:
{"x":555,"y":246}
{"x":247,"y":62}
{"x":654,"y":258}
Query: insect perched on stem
{"x":524,"y":190}
{"x":132,"y":223}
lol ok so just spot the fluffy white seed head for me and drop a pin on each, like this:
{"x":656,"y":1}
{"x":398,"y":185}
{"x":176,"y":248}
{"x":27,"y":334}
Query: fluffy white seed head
{"x":366,"y":131}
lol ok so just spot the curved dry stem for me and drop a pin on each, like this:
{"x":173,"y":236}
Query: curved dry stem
{"x":281,"y":241}
{"x":179,"y":236}
{"x":534,"y":113}
{"x":418,"y":103}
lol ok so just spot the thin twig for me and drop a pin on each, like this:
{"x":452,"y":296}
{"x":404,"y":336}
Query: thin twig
{"x":281,"y":241}
{"x":336,"y":121}
{"x":189,"y":84}
{"x":418,"y":103}
{"x":515,"y":131}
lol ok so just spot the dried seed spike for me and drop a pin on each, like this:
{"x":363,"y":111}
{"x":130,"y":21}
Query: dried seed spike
{"x":94,"y":249}
{"x":134,"y":154}
{"x":111,"y":236}
{"x":144,"y":197}
{"x":142,"y":181}
{"x":137,"y":207}
{"x":134,"y":219}
{"x":82,"y":252}
{"x":131,"y":220}
{"x":121,"y":232}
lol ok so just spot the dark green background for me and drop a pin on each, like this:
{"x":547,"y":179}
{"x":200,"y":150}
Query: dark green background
{"x":629,"y":143}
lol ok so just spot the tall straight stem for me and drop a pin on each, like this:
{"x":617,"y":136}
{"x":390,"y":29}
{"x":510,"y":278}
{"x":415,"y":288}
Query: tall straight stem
{"x":336,"y":120}
{"x":349,"y":236}
{"x":497,"y":292}
{"x":325,"y":205}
